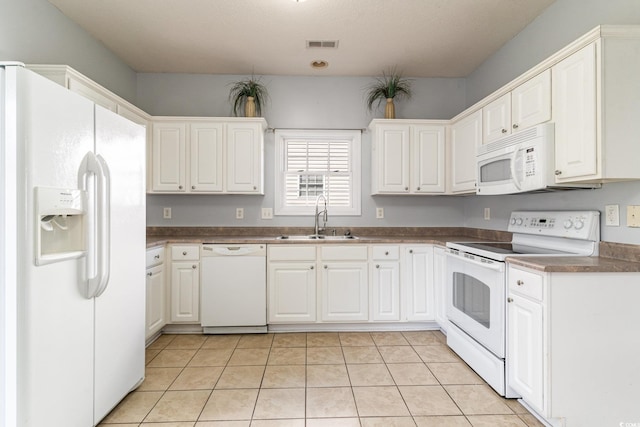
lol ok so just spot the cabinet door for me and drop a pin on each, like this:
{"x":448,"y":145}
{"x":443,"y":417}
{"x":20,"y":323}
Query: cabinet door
{"x":418,"y":282}
{"x":386,"y":290}
{"x":574,"y":114}
{"x":155,"y":300}
{"x":391,"y":157}
{"x":345,"y":294}
{"x":205,"y":142}
{"x":292,"y":292}
{"x":439,"y":286}
{"x":185,"y":292}
{"x":525,"y":349}
{"x":169,"y":157}
{"x":496,"y":119}
{"x":428,"y":158}
{"x":245,"y":158}
{"x":466,"y":136}
{"x":531,"y":102}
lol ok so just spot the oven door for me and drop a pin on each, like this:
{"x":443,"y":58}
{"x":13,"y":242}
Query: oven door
{"x":476,"y":291}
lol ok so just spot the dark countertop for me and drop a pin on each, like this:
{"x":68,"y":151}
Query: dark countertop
{"x":614,"y":257}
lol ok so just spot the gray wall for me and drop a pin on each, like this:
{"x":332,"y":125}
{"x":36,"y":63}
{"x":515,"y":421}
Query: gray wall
{"x":560,"y":24}
{"x":35,"y":32}
{"x":300,"y":102}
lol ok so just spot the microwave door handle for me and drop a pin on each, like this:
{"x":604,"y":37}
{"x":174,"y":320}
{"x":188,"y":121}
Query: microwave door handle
{"x":514,"y":177}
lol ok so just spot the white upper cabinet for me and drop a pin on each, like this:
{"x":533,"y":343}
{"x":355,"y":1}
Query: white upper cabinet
{"x":465,"y":137}
{"x":408,"y":157}
{"x":596,"y":110}
{"x":527,"y":105}
{"x":213,"y":156}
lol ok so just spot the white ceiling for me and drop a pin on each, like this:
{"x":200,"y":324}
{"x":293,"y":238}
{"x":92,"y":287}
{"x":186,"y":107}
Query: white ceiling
{"x":422,"y":38}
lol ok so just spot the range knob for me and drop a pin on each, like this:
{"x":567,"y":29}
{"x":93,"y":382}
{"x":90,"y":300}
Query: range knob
{"x":579,"y":224}
{"x":513,"y":221}
{"x":518,"y":221}
{"x":568,"y":224}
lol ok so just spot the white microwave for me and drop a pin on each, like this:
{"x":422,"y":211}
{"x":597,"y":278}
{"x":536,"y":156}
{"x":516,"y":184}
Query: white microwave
{"x":520,"y":163}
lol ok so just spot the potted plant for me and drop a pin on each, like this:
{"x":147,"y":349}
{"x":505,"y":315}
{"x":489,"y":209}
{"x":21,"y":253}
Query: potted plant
{"x":391,"y":85}
{"x":249,"y":93}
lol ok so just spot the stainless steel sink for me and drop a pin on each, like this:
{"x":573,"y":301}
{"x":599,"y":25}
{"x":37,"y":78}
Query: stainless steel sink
{"x":317,"y":237}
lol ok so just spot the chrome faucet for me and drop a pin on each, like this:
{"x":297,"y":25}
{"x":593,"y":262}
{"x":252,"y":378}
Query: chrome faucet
{"x":324,"y":213}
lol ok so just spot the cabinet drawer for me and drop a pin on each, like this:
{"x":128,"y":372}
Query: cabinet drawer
{"x":155,"y":256}
{"x":525,"y":283}
{"x":385,"y":252}
{"x":186,"y":253}
{"x":292,"y":253}
{"x":343,"y":253}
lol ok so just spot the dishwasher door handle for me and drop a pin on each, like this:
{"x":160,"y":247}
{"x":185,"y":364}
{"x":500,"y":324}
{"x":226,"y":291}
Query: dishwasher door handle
{"x":224,"y":250}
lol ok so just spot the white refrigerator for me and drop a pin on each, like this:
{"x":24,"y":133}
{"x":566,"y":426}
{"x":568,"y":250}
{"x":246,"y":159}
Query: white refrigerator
{"x":72,"y":213}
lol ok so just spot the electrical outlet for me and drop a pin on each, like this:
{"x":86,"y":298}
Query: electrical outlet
{"x":612,"y":215}
{"x":487,"y":214}
{"x":267,"y":213}
{"x":633,"y":216}
{"x":239,"y":213}
{"x":166,"y":213}
{"x":379,"y":213}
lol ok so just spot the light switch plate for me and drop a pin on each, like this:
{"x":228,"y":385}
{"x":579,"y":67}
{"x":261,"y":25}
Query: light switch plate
{"x":267,"y":213}
{"x":633,"y":216}
{"x":239,"y":213}
{"x":612,"y":215}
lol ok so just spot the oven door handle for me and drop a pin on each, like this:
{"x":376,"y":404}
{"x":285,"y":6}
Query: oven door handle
{"x":476,"y":260}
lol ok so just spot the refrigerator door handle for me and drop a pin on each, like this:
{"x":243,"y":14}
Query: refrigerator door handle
{"x":98,"y":235}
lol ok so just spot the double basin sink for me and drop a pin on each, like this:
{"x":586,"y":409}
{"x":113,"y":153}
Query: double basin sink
{"x":312,"y":237}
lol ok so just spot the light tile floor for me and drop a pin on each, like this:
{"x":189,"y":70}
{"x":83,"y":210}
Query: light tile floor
{"x":312,"y":379}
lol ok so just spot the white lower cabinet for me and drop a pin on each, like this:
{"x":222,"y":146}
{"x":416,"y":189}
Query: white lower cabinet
{"x":344,"y":283}
{"x":440,"y":286}
{"x":559,"y":327}
{"x":385,"y":283}
{"x":155,"y":292}
{"x":418,"y":282}
{"x":185,"y":284}
{"x":291,"y":284}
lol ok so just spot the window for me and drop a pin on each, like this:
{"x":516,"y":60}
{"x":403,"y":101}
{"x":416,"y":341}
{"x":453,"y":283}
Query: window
{"x":314,"y":162}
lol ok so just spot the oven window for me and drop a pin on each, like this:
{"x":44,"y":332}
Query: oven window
{"x":497,"y":171}
{"x":472,"y":297}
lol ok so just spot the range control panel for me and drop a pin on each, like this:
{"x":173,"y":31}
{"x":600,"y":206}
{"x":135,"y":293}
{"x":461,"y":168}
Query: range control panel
{"x":583,"y":225}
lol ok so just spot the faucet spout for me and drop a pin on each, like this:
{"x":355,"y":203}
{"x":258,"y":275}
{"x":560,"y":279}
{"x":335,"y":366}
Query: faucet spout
{"x":325,"y":215}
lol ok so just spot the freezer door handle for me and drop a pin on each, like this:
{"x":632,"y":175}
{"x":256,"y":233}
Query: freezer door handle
{"x":98,"y":234}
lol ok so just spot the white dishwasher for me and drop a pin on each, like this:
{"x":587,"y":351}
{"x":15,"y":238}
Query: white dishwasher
{"x":233,"y":288}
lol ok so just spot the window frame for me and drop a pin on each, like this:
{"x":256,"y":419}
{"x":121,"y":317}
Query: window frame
{"x":355,"y":144}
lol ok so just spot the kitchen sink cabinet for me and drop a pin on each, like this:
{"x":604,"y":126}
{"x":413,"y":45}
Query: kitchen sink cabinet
{"x":417,"y":282}
{"x":185,"y":284}
{"x":465,"y":136}
{"x":408,"y":157}
{"x":595,"y":110}
{"x":527,"y":105}
{"x":559,"y":327}
{"x":207,"y":155}
{"x":155,"y":292}
{"x":344,"y":283}
{"x":291,"y":284}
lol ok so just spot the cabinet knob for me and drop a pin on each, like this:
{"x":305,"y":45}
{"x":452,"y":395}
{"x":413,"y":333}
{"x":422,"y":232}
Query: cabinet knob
{"x":557,"y":172}
{"x":519,"y":283}
{"x":255,"y":188}
{"x":149,"y":274}
{"x":406,"y":188}
{"x":311,"y":268}
{"x":194,"y":266}
{"x":179,"y":187}
{"x":386,"y":253}
{"x":515,"y":126}
{"x":509,"y":299}
{"x":184,"y":253}
{"x":193,"y":187}
{"x":504,"y":131}
{"x":326,"y":266}
{"x":157,"y":256}
{"x":377,"y":265}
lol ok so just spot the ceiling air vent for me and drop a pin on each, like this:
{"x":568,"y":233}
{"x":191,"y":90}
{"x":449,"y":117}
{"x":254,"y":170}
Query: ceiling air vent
{"x":325,"y":44}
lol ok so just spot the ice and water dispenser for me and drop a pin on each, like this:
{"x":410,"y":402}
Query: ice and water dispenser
{"x":60,"y":214}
